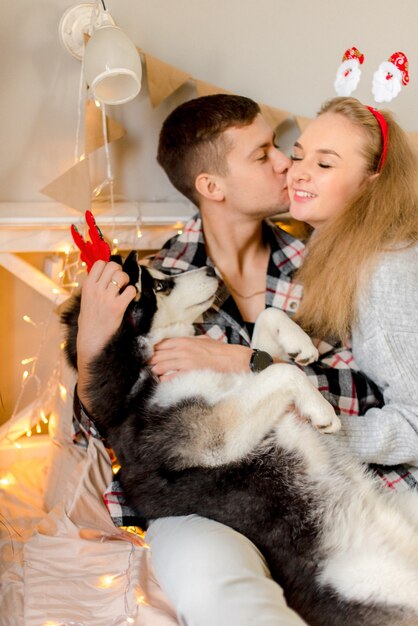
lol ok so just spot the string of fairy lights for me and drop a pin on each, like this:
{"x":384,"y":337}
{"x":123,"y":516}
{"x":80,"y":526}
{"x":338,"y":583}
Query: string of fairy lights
{"x":40,"y":413}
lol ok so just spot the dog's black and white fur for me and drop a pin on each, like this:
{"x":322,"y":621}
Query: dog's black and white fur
{"x":225,"y":446}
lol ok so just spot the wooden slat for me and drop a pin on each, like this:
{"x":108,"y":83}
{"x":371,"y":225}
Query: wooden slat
{"x":33,"y":277}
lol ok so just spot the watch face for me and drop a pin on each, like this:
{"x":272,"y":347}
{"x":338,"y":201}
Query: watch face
{"x":260,"y":360}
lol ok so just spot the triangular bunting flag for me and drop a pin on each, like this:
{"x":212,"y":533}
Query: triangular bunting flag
{"x":302,"y":122}
{"x":73,"y":187}
{"x":274,"y":117}
{"x":163,"y":79}
{"x":205,"y":89}
{"x":93,"y":128}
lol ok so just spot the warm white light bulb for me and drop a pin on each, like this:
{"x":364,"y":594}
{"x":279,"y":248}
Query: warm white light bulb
{"x":28,"y":320}
{"x":106,"y":581}
{"x":7,"y":479}
{"x":28,"y":360}
{"x":63,"y":392}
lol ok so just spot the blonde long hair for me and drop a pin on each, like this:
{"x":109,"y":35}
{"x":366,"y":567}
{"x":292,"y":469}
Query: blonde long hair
{"x":382,"y":216}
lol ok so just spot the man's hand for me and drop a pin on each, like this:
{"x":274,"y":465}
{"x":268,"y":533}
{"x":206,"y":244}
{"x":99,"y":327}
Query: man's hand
{"x":103,"y":304}
{"x":183,"y":354}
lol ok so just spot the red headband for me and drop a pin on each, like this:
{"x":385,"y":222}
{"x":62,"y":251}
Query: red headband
{"x":384,"y":129}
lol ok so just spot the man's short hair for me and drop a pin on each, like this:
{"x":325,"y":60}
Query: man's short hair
{"x":192,"y":141}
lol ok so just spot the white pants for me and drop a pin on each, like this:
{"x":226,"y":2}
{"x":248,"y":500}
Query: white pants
{"x":215,"y":576}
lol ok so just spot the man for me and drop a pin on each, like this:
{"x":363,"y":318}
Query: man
{"x":220,"y":153}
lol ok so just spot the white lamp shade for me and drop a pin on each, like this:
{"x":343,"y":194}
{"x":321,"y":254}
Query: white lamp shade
{"x":112,"y":66}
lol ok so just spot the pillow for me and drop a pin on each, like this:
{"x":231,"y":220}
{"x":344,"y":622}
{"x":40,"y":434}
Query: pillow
{"x":79,"y":568}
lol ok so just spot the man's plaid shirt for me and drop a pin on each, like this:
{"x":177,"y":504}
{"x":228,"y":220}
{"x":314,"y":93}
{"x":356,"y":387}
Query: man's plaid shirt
{"x":334,"y":374}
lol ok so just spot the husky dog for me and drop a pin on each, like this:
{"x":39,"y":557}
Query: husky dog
{"x":227,"y":447}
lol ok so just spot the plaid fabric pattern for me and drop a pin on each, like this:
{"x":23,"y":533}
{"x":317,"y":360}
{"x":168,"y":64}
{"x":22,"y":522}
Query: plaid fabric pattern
{"x":335,"y":374}
{"x":119,"y":510}
{"x":83,"y":425}
{"x":398,"y":478}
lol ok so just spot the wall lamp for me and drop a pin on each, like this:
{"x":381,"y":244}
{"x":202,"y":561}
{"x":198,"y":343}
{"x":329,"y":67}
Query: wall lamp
{"x":111,"y":62}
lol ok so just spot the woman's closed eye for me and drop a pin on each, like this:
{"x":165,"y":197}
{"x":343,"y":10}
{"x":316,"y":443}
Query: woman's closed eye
{"x":321,"y":164}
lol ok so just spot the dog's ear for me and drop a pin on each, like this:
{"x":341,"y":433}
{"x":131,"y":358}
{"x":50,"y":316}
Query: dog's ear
{"x":131,"y":267}
{"x":116,"y":258}
{"x":138,"y":284}
{"x":142,"y":308}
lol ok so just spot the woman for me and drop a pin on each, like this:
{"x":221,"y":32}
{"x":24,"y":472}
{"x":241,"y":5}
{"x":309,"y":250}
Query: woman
{"x":353,"y":180}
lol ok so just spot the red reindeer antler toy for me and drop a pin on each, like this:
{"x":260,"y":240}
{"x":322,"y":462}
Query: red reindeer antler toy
{"x":92,"y":251}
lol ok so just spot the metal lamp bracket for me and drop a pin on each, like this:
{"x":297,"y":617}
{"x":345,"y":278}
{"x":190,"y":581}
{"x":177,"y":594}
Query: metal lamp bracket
{"x":76,"y":22}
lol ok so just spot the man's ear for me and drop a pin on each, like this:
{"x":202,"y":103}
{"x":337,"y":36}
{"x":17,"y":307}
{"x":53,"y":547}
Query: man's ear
{"x":209,"y":186}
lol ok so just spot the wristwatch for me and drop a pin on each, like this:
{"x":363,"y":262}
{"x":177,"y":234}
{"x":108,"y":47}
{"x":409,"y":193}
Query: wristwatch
{"x":260,"y":360}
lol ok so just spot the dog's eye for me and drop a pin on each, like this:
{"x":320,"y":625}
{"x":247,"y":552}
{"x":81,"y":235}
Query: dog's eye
{"x":159,"y":285}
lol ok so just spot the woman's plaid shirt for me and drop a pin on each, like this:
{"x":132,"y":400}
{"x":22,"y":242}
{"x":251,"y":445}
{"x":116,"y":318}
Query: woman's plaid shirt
{"x":334,"y":374}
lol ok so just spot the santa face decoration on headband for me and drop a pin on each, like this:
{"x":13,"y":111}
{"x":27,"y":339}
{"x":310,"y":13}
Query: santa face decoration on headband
{"x":348,"y":74}
{"x":389,"y":77}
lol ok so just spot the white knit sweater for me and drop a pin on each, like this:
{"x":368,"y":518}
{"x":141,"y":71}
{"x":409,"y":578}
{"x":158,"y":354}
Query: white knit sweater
{"x":385,"y":347}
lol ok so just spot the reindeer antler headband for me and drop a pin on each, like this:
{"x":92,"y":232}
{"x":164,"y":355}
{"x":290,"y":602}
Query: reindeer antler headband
{"x":94,"y":250}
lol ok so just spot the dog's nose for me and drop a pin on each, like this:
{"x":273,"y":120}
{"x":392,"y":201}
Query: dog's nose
{"x":210,"y":271}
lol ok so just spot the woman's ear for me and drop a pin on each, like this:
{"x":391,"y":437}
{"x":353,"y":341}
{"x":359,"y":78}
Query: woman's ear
{"x":209,"y":187}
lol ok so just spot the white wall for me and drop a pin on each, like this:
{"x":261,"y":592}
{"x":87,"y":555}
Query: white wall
{"x":278,"y":52}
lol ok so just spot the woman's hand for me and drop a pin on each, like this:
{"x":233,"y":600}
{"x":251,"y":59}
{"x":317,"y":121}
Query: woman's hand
{"x":103,"y":304}
{"x":183,"y":354}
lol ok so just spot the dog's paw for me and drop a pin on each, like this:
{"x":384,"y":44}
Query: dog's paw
{"x":300,"y":349}
{"x":312,"y":405}
{"x":322,"y":417}
{"x":318,"y":411}
{"x":276,"y":333}
{"x":296,"y":344}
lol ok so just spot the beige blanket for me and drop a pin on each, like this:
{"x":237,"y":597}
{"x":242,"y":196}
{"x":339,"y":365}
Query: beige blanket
{"x":71,"y":566}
